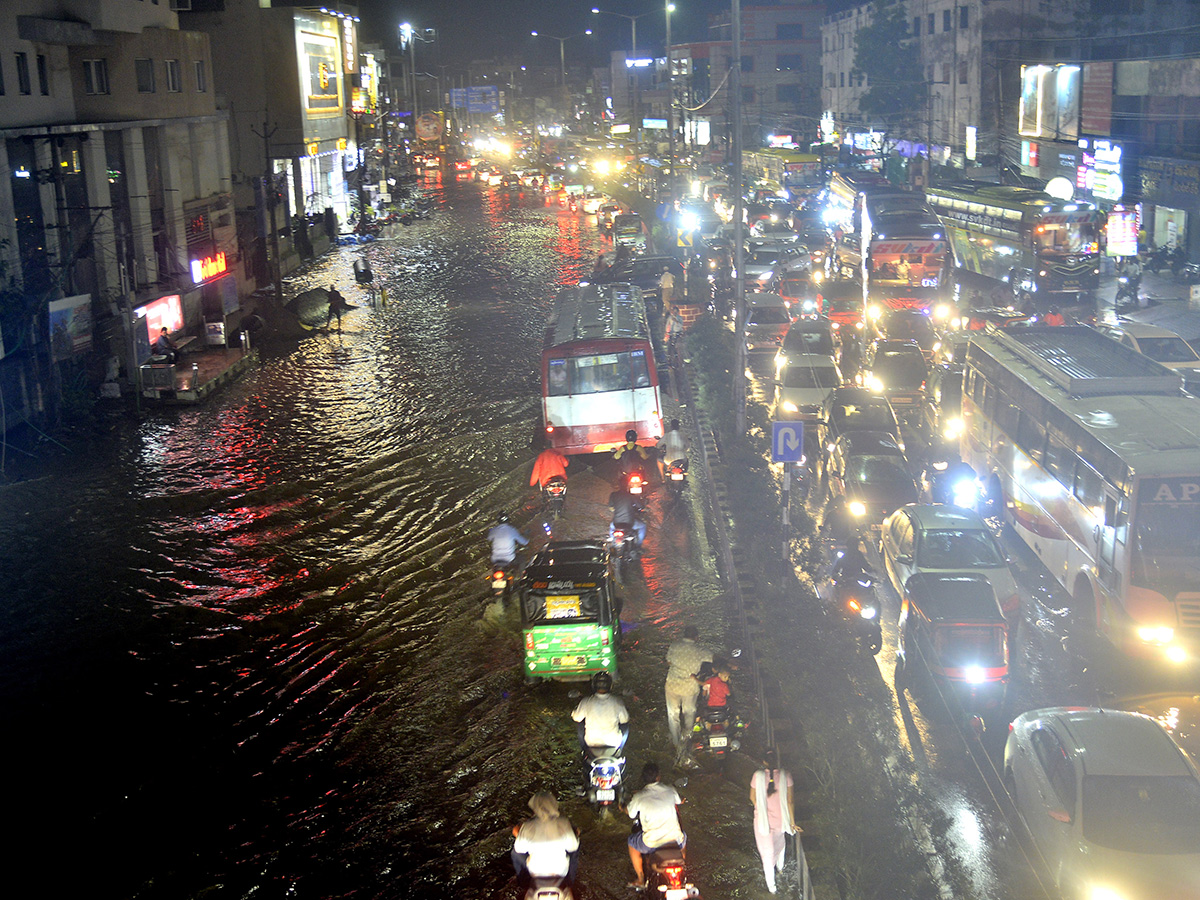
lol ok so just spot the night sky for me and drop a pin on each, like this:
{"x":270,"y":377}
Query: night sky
{"x":484,"y":29}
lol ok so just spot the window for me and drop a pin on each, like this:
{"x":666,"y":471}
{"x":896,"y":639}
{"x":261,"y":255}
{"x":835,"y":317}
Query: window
{"x":23,"y":84}
{"x":201,"y":77}
{"x":930,"y":22}
{"x":962,"y":71}
{"x":789,"y":62}
{"x":789,"y":31}
{"x":145,"y":75}
{"x":830,"y":80}
{"x":916,"y":26}
{"x":841,"y":79}
{"x":174,"y":81}
{"x":1059,"y":462}
{"x":1089,"y":486}
{"x":95,"y":76}
{"x":964,"y":17}
{"x":747,"y":63}
{"x":43,"y":75}
{"x":1031,"y":436}
{"x":929,"y":73}
{"x":947,"y":20}
{"x":748,"y":95}
{"x":787,"y":93}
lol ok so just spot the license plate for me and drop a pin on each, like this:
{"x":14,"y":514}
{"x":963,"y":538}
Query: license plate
{"x":606,"y":794}
{"x":635,"y":489}
{"x":676,"y":894}
{"x":901,"y":401}
{"x":718,"y":740}
{"x":677,"y":476}
{"x":568,"y":661}
{"x":498,"y":583}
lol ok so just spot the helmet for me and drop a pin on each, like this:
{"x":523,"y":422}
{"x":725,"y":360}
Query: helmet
{"x":602,"y":682}
{"x":631,"y":435}
{"x":502,"y":518}
{"x":674,"y":425}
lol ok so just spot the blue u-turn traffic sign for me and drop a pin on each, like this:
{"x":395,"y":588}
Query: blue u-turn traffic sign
{"x":787,"y":442}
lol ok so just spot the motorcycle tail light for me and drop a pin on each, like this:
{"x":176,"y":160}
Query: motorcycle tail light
{"x":498,"y":575}
{"x":635,"y":484}
{"x":673,"y":875}
{"x":556,"y":489}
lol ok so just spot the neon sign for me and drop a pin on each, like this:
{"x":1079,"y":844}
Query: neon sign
{"x":209,"y":267}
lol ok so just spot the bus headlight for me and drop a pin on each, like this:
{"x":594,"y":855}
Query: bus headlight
{"x":974,"y":674}
{"x":1156,"y":634}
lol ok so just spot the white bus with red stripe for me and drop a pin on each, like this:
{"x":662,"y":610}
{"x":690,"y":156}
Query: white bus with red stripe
{"x":906,"y":260}
{"x":1095,"y":452}
{"x":599,"y":378}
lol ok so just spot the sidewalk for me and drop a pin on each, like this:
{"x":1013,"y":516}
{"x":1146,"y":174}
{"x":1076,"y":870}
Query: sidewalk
{"x":1172,"y":310}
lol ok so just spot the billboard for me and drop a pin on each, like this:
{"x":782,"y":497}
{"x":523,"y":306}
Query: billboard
{"x":1049,"y":106}
{"x":483,"y":99}
{"x":321,"y":65}
{"x":70,"y":326}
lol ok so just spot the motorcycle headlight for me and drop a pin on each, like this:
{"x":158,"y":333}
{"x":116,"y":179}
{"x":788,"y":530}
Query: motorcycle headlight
{"x":965,"y":492}
{"x":869,"y":612}
{"x":857,"y":508}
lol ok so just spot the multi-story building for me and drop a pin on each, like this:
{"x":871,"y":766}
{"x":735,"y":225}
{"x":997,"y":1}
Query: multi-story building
{"x":115,"y":214}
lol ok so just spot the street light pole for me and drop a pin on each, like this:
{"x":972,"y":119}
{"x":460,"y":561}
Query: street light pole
{"x":632,"y":26}
{"x":670,"y":8}
{"x":562,"y":53}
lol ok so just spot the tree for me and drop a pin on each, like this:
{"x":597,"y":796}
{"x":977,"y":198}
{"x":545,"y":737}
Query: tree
{"x":891,"y":63}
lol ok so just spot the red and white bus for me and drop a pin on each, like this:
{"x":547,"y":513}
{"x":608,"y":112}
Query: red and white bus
{"x":598,"y":374}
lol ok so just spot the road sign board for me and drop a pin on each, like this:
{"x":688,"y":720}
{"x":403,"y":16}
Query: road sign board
{"x":685,"y":238}
{"x":787,"y":442}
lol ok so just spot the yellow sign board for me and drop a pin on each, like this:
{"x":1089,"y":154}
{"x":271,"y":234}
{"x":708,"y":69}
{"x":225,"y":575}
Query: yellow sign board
{"x":685,"y":238}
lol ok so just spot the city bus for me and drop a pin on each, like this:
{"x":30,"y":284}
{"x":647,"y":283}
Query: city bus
{"x":905,"y":256}
{"x":1094,"y":451}
{"x":801,"y":175}
{"x":598,"y":374}
{"x":843,"y":212}
{"x":1033,"y":244}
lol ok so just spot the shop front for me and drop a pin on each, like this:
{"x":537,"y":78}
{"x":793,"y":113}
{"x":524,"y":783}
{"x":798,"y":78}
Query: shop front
{"x":1170,"y":194}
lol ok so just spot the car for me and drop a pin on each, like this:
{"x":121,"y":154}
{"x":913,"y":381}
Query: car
{"x":908,"y":325}
{"x":807,"y":337}
{"x":646,"y":273}
{"x":1160,"y":344}
{"x":759,"y":263}
{"x":928,"y":538}
{"x":943,"y":407}
{"x":605,"y":215}
{"x":774,"y":230}
{"x":842,"y":302}
{"x":591,"y":203}
{"x":798,"y":289}
{"x":869,"y":470}
{"x":510,"y":182}
{"x":1111,"y":802}
{"x":802,"y":384}
{"x":767,"y":321}
{"x":852,"y":408}
{"x":897,"y":369}
{"x":628,"y":230}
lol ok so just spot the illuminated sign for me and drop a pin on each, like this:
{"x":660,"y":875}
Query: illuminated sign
{"x":619,"y":129}
{"x":360,"y":101}
{"x":972,"y":136}
{"x":341,"y":143}
{"x":349,"y":47}
{"x":209,"y":267}
{"x":1100,"y":169}
{"x":320,"y":71}
{"x":1049,"y":104}
{"x":1122,"y":232}
{"x":660,"y":124}
{"x":314,"y":148}
{"x":780,"y":140}
{"x":638,"y":63}
{"x":1029,"y":154}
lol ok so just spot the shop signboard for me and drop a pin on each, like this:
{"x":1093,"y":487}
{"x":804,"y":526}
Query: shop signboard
{"x":1100,"y":168}
{"x":429,"y":127}
{"x":209,"y":267}
{"x":657,"y":124}
{"x":70,"y":326}
{"x":1122,"y":232}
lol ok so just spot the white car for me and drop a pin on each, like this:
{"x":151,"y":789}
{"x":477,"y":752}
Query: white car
{"x":1110,"y":800}
{"x":946,"y":540}
{"x":802,"y":384}
{"x":1161,"y":345}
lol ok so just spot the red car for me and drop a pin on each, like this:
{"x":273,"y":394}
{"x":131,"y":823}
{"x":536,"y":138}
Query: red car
{"x":842,"y":303}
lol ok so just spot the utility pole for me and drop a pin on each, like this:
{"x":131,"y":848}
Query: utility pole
{"x":269,"y":190}
{"x":739,"y":227}
{"x":670,"y":7}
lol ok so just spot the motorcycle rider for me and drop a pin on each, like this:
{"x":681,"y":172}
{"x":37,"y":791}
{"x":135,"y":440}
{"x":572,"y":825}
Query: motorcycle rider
{"x":685,"y":657}
{"x":851,"y":563}
{"x":654,"y":806}
{"x":550,"y":463}
{"x":546,"y":846}
{"x":626,"y":511}
{"x":504,"y":539}
{"x":954,"y":482}
{"x":671,"y":446}
{"x":601,"y":719}
{"x":630,"y":456}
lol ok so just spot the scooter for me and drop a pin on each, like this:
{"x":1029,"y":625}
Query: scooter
{"x":676,"y":478}
{"x":717,"y":731}
{"x":854,"y":594}
{"x":606,"y":777}
{"x":666,"y":874}
{"x":554,"y":495}
{"x":551,"y":887}
{"x":623,"y":548}
{"x":1127,"y":291}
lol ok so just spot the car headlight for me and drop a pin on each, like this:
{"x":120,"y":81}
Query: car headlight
{"x":954,"y":429}
{"x":1156,"y":634}
{"x":857,"y":508}
{"x":789,"y":406}
{"x":941,"y":311}
{"x":818,"y":276}
{"x":875,"y":384}
{"x":875,"y":312}
{"x":810,"y":305}
{"x":766,"y":276}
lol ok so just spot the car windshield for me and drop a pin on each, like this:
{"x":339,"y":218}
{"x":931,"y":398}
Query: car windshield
{"x":909,"y":328}
{"x":802,"y":376}
{"x":900,"y":370}
{"x":818,"y":342}
{"x":876,"y":470}
{"x":1167,"y":349}
{"x":768,"y":315}
{"x":795,"y":287}
{"x":958,"y":549}
{"x":763,"y":258}
{"x":1142,"y":813}
{"x":869,"y":416}
{"x":1166,"y":544}
{"x":844,"y":304}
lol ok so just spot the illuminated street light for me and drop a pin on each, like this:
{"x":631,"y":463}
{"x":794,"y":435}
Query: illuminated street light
{"x":562,"y":53}
{"x":632,"y":26}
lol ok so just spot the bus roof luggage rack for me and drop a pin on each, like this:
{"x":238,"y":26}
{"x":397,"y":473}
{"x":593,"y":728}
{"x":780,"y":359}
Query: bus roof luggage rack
{"x":1086,"y":363}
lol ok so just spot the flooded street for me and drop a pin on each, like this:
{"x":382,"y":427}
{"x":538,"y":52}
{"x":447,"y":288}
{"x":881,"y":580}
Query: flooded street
{"x":245,"y":645}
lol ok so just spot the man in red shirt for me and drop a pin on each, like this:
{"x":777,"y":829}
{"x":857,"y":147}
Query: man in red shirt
{"x":549,"y":464}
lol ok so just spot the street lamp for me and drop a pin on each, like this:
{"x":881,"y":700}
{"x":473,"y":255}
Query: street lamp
{"x":632,"y":26}
{"x":668,"y":9}
{"x":562,"y":53}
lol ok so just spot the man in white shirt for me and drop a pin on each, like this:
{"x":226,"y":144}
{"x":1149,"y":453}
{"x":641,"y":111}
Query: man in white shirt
{"x":603,"y":719}
{"x":684,"y":658}
{"x":655,"y":807}
{"x":546,"y":846}
{"x":671,"y":446}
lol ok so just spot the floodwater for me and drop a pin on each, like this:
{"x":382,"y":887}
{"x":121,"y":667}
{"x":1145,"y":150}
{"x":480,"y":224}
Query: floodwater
{"x":245,"y":648}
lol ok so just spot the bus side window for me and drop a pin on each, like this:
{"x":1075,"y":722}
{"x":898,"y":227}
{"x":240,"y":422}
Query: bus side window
{"x":1089,"y":486}
{"x":977,"y":391}
{"x":1060,"y":462}
{"x":1031,"y":436}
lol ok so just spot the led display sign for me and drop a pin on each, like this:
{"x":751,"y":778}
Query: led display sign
{"x":209,"y":267}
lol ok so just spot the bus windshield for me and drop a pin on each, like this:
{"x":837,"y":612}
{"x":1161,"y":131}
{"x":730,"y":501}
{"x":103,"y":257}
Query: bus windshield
{"x":597,"y":374}
{"x":905,"y":268}
{"x":1067,"y":237}
{"x":1166,"y":546}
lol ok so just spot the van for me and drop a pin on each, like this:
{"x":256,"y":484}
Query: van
{"x":628,"y":231}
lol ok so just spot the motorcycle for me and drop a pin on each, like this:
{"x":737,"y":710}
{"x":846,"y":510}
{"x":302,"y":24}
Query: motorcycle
{"x":554,"y":495}
{"x":666,"y":874}
{"x":549,"y":887}
{"x":502,"y":578}
{"x":718,"y":732}
{"x":854,"y":595}
{"x":676,"y":478}
{"x":1128,"y":291}
{"x":623,"y":548}
{"x":606,"y":777}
